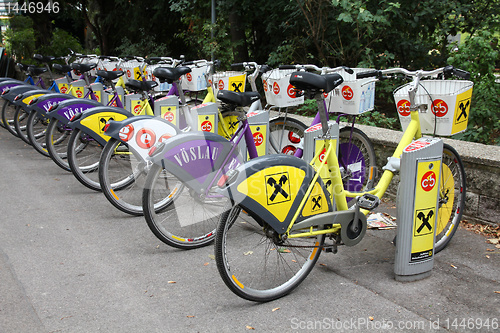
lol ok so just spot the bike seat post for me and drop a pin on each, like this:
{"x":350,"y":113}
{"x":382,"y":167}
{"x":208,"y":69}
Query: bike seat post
{"x":323,"y":114}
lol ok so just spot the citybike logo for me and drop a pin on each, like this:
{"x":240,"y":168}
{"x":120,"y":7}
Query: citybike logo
{"x":137,"y":109}
{"x":128,"y":73}
{"x":403,"y":107}
{"x":169,"y":116}
{"x":189,"y":77}
{"x":416,"y":145}
{"x":291,"y":91}
{"x":79,"y":93}
{"x":63,"y":89}
{"x":221,"y":85}
{"x":145,"y":138}
{"x":126,"y":132}
{"x":206,"y":126}
{"x":321,"y":156}
{"x":264,"y":83}
{"x":276,"y":88}
{"x":347,"y":93}
{"x":258,"y":138}
{"x":439,"y":108}
{"x":428,"y":181}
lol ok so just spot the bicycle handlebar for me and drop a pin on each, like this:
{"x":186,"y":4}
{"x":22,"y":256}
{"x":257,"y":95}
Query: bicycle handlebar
{"x":447,"y":71}
{"x":322,"y":70}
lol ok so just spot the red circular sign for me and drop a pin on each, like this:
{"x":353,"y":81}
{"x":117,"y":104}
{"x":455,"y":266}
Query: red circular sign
{"x":293,"y":137}
{"x":439,"y":108}
{"x":126,"y":132}
{"x":321,"y":156}
{"x":64,"y":89}
{"x":428,"y":181}
{"x":289,"y":150}
{"x":206,"y":126}
{"x":264,"y":83}
{"x":258,"y":138}
{"x":145,"y":138}
{"x":189,"y":77}
{"x":292,"y":93}
{"x":79,"y":93}
{"x":221,"y":85}
{"x":169,"y":116}
{"x":137,"y":109}
{"x":128,"y":73}
{"x":403,"y":107}
{"x":347,"y":93}
{"x":276,"y":88}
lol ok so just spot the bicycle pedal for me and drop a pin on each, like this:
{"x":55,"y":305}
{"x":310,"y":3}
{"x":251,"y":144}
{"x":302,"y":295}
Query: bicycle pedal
{"x":368,"y":201}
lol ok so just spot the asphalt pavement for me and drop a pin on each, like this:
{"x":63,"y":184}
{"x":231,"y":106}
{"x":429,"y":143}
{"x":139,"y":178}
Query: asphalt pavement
{"x":71,"y":262}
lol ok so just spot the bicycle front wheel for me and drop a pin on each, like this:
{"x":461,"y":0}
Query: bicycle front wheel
{"x":36,"y":128}
{"x":122,"y":176}
{"x":452,"y":194}
{"x":357,"y":160}
{"x":20,"y":121}
{"x":83,"y":158}
{"x":255,"y":264}
{"x":56,"y":142}
{"x":285,"y":135}
{"x":8,"y":113}
{"x":190,"y":219}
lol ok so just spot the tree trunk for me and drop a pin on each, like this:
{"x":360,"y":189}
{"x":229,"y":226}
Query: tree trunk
{"x":238,"y":38}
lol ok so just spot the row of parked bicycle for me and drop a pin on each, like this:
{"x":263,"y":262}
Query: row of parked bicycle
{"x":193,"y":167}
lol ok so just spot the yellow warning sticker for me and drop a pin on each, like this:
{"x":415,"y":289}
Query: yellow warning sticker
{"x":98,"y":121}
{"x":424,"y":219}
{"x":237,"y":83}
{"x":317,"y":201}
{"x":462,"y":109}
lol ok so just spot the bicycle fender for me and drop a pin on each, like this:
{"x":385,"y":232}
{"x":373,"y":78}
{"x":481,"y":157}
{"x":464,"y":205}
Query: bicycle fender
{"x":24,"y":98}
{"x":270,"y":188}
{"x":140,"y":133}
{"x":43,"y":103}
{"x":197,"y":157}
{"x":70,"y":107}
{"x":93,"y":121}
{"x":13,"y":91}
{"x":9,"y":84}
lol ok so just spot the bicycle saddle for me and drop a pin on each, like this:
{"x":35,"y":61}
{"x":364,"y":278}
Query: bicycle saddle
{"x":110,"y":75}
{"x":141,"y":85}
{"x":61,"y":68}
{"x":82,"y":68}
{"x":42,"y":58}
{"x":238,"y":98}
{"x":23,"y":67}
{"x":312,"y":81}
{"x":35,"y":71}
{"x":170,"y":74}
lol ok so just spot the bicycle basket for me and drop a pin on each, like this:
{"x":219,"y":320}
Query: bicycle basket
{"x":195,"y":81}
{"x":132,"y":70}
{"x":162,"y":86}
{"x":353,"y":96}
{"x":230,"y":80}
{"x":446,"y":105}
{"x":278,"y":90}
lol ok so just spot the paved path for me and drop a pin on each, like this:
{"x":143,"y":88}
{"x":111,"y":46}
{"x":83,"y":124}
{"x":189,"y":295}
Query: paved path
{"x":70,"y":262}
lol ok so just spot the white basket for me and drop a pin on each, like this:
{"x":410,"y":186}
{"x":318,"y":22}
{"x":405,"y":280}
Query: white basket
{"x":353,"y":96}
{"x":230,"y":80}
{"x":446,"y":105}
{"x":278,"y":90}
{"x":195,"y":80}
{"x":165,"y":86}
{"x":131,"y":69}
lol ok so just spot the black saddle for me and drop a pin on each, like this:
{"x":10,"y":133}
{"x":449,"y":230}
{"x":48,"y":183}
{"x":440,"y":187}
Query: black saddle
{"x":61,"y":68}
{"x":141,"y":85}
{"x":170,"y":74}
{"x":42,"y":58}
{"x":83,"y":68}
{"x":36,"y":71}
{"x":23,"y":67}
{"x":110,"y":75}
{"x":312,"y":81}
{"x":238,"y":98}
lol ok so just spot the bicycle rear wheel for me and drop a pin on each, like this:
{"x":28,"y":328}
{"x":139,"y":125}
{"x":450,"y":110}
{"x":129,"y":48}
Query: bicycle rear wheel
{"x":254,"y":264}
{"x":122,"y":176}
{"x":56,"y":141}
{"x":451,"y":197}
{"x":190,"y":219}
{"x":36,"y":128}
{"x":8,"y":112}
{"x":20,"y":121}
{"x":285,"y":135}
{"x":83,"y":158}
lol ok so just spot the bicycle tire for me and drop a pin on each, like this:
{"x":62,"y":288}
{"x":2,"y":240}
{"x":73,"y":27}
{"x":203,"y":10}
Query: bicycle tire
{"x":285,"y":135}
{"x":451,"y":197}
{"x":188,"y":221}
{"x":254,"y":266}
{"x":20,"y":121}
{"x":83,"y":158}
{"x":56,"y":142}
{"x":8,"y":112}
{"x":122,"y":177}
{"x":357,"y":159}
{"x":35,"y":129}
